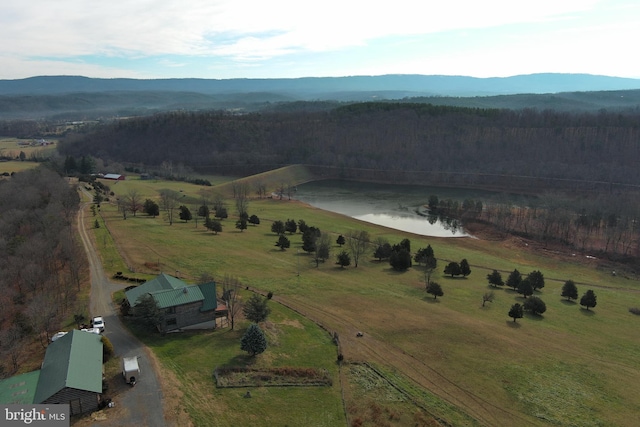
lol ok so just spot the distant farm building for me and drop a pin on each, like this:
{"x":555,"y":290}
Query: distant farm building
{"x":114,"y":176}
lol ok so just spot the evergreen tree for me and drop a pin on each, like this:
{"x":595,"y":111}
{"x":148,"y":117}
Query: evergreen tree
{"x":203,"y":211}
{"x":147,"y":312}
{"x":514,"y":279}
{"x":253,"y":219}
{"x":290,"y":226}
{"x":400,"y":259}
{"x":309,"y":239}
{"x":516,"y":311}
{"x":241,"y":224}
{"x":253,"y":341}
{"x":283,"y":242}
{"x":569,"y":290}
{"x":434,"y":289}
{"x":341,"y":240}
{"x":213,"y":225}
{"x":535,"y":305}
{"x":383,"y":251}
{"x":525,"y":287}
{"x":344,"y":259}
{"x":495,"y":278}
{"x":465,"y":269}
{"x":256,"y":309}
{"x":589,"y":299}
{"x":302,"y":226}
{"x":537,"y":279}
{"x":185,"y":213}
{"x":277,"y":227}
{"x":453,"y":268}
{"x":151,"y":208}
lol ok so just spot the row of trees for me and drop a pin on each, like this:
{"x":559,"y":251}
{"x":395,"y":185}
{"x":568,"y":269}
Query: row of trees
{"x":536,"y":306}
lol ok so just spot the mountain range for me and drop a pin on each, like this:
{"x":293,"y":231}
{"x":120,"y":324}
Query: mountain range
{"x":68,"y":96}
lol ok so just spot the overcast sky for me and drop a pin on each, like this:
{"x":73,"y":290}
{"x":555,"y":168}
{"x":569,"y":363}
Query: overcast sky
{"x":295,"y":38}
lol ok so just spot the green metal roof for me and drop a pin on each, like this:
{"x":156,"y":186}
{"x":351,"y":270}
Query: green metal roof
{"x":75,"y":361}
{"x":173,"y":297}
{"x":19,"y":389}
{"x":162,"y":282}
{"x":210,"y":299}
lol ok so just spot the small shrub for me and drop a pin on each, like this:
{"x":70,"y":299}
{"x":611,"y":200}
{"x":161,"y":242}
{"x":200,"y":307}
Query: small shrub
{"x":270,"y":295}
{"x":634,"y":310}
{"x":107,"y":349}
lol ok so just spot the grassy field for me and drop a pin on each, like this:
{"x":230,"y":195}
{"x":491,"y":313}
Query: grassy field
{"x":450,"y":358}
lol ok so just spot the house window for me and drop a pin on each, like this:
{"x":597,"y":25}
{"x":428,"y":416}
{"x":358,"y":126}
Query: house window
{"x":172,"y":322}
{"x":171,"y":310}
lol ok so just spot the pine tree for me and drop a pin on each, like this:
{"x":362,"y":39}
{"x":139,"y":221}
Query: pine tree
{"x":434,"y":289}
{"x":589,"y":299}
{"x":516,"y":311}
{"x":253,"y":341}
{"x":569,"y":290}
{"x":256,"y":309}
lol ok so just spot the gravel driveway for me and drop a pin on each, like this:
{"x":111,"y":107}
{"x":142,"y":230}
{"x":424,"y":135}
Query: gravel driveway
{"x":134,"y":406}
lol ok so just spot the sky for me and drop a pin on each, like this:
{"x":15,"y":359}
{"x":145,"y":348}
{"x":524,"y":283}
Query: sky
{"x":222,"y":39}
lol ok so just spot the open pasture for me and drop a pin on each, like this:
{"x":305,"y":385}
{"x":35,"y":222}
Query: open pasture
{"x":466,"y":364}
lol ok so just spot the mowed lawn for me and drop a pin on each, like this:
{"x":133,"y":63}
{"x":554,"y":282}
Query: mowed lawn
{"x":569,"y":366}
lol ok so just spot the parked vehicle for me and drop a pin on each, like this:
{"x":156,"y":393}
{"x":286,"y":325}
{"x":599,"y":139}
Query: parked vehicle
{"x":98,"y":322}
{"x":130,"y":370}
{"x":58,"y":335}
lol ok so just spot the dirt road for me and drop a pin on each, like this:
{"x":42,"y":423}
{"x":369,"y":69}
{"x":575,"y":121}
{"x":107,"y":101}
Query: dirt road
{"x":134,"y":406}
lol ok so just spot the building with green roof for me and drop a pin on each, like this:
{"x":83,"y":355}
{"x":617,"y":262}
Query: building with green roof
{"x":181,"y":304}
{"x":71,"y":374}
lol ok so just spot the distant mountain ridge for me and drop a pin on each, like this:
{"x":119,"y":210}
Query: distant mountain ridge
{"x":313,"y":88}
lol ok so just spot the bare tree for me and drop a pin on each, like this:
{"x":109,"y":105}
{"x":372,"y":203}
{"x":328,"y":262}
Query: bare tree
{"x":230,"y":289}
{"x":42,"y":317}
{"x":358,"y":243}
{"x":11,"y":345}
{"x":169,"y":200}
{"x":134,"y":200}
{"x":488,"y":297}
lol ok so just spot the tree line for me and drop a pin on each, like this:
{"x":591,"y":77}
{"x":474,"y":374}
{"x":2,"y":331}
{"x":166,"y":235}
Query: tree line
{"x":385,"y":141}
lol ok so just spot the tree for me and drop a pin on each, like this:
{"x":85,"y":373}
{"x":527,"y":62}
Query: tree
{"x":185,"y":213}
{"x":434,"y":289}
{"x":283,"y":242}
{"x":358,"y":242}
{"x":253,"y":219}
{"x":230,"y":295}
{"x":423,"y":255}
{"x":203,"y":211}
{"x":569,"y":290}
{"x":309,"y":239}
{"x":516,"y":311}
{"x":340,"y":240}
{"x":514,"y":279}
{"x":290,"y":226}
{"x":213,"y":225}
{"x":256,"y":309}
{"x":253,"y":341}
{"x":151,"y":208}
{"x":344,"y":259}
{"x":133,"y":199}
{"x":535,"y":305}
{"x":495,"y":279}
{"x":453,"y":268}
{"x":277,"y":227}
{"x":241,"y":224}
{"x":525,"y":287}
{"x":537,"y":279}
{"x":400,"y":259}
{"x":221,"y":212}
{"x":589,"y":299}
{"x":465,"y":269}
{"x":323,"y":248}
{"x":302,"y":226}
{"x":487,"y":297}
{"x":147,"y":312}
{"x":383,"y":251}
{"x":169,"y":201}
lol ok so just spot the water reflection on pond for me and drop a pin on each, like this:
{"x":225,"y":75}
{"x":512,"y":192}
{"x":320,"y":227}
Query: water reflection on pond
{"x":391,"y":206}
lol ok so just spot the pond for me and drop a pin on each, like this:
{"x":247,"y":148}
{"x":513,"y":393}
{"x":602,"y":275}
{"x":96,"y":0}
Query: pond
{"x":395,"y":206}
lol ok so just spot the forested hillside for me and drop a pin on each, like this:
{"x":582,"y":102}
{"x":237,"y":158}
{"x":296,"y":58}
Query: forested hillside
{"x":384,"y":141}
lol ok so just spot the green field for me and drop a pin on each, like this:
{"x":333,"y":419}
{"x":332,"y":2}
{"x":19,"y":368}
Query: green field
{"x":459,"y":362}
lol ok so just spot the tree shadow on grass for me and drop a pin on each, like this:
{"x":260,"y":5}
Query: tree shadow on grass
{"x":532,"y":316}
{"x":567,"y":302}
{"x":586,"y":312}
{"x":430,"y":300}
{"x":512,"y":324}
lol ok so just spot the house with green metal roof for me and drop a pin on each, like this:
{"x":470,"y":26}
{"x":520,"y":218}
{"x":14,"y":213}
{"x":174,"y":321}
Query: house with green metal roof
{"x":181,"y":304}
{"x":71,"y":373}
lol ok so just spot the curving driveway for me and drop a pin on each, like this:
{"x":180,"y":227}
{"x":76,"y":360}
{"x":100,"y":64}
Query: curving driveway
{"x":142,"y":404}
